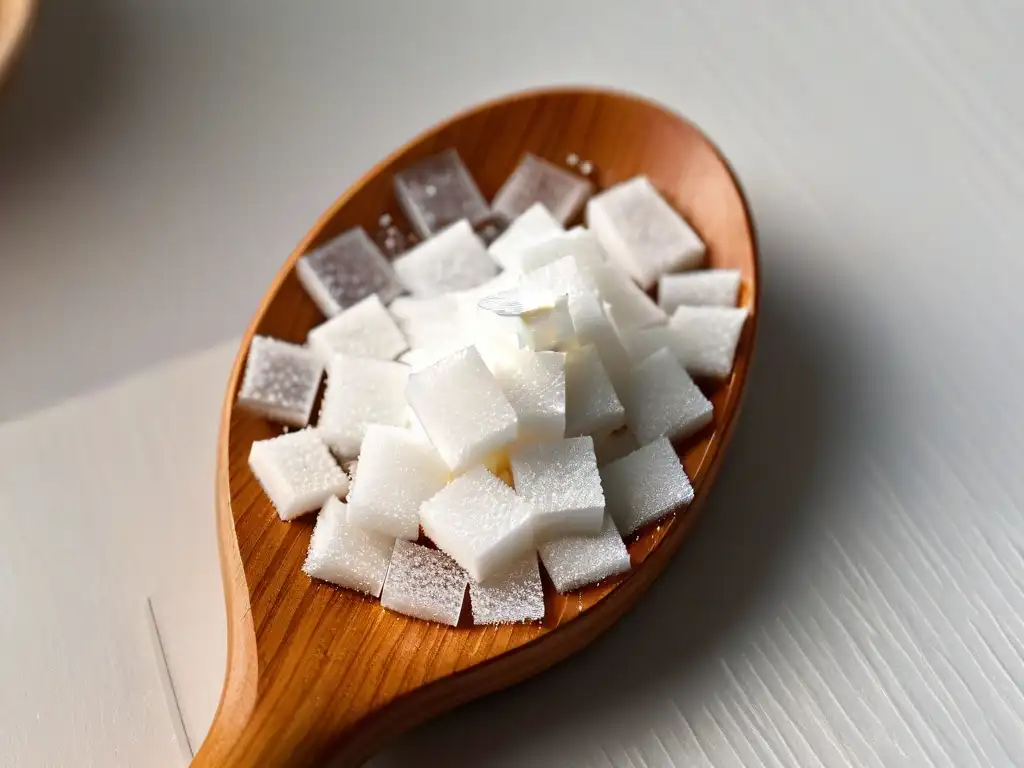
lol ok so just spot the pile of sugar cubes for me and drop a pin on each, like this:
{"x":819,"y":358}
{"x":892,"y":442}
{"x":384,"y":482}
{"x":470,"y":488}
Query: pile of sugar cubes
{"x":489,"y":405}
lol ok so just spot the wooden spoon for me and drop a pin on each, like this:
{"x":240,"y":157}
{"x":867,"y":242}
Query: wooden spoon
{"x":315,"y":671}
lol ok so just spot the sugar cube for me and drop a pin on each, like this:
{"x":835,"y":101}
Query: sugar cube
{"x":561,"y":480}
{"x":452,"y":260}
{"x":628,"y":306}
{"x":663,"y":401}
{"x":280,"y":381}
{"x":515,"y":595}
{"x":439,"y":191}
{"x":462,"y":408}
{"x":397,"y":473}
{"x":591,"y":405}
{"x":611,"y":446}
{"x":563,"y":276}
{"x":424,"y":357}
{"x":645,"y":486}
{"x":297,"y":472}
{"x":480,"y":522}
{"x":430,"y":322}
{"x":700,"y":288}
{"x":709,"y":337}
{"x":345,"y":270}
{"x":346,"y":555}
{"x":641,"y":343}
{"x":575,"y":561}
{"x":578,"y":242}
{"x":365,"y":329}
{"x":537,"y":180}
{"x":534,"y":383}
{"x":532,"y":226}
{"x":360,"y":391}
{"x":593,"y":327}
{"x":642,"y":233}
{"x":424,"y":583}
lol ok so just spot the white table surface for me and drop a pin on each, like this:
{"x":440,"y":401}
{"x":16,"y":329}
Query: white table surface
{"x":854,"y":594}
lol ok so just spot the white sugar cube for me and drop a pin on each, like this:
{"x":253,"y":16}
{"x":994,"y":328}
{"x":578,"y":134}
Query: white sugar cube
{"x":346,"y":555}
{"x":346,"y":270}
{"x":641,"y":343}
{"x":591,"y":405}
{"x":628,"y":306}
{"x":481,"y":522}
{"x":535,"y":224}
{"x":579,"y":243}
{"x":430,"y":322}
{"x":514,"y":595}
{"x":397,"y":473}
{"x":462,"y":408}
{"x":593,"y":327}
{"x":537,"y":180}
{"x":438,"y":191}
{"x":563,"y":276}
{"x":709,"y":338}
{"x":645,"y":486}
{"x":561,"y":480}
{"x":360,"y":391}
{"x":663,"y":401}
{"x":700,"y":288}
{"x":365,"y":329}
{"x":297,"y":472}
{"x":424,"y":583}
{"x":548,"y":328}
{"x":534,"y":383}
{"x":611,"y":446}
{"x":452,"y":260}
{"x":575,"y":561}
{"x":280,"y":381}
{"x":642,"y":233}
{"x":533,"y":319}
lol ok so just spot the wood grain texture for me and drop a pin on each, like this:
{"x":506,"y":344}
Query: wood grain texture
{"x":314,"y":670}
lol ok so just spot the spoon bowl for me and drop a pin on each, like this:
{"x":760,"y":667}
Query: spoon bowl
{"x":316,"y":672}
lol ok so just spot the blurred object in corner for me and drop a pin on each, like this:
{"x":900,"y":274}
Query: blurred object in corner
{"x":15,"y":22}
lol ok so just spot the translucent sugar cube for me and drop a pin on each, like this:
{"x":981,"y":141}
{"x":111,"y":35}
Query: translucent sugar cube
{"x":297,"y":472}
{"x":561,"y":480}
{"x":628,"y":306}
{"x":663,"y":401}
{"x":514,"y":595}
{"x":534,"y":383}
{"x":345,"y":270}
{"x":280,"y":381}
{"x":439,"y":191}
{"x":424,"y":583}
{"x":611,"y":446}
{"x":480,"y":522}
{"x":593,"y":327}
{"x":366,"y":329}
{"x":591,"y":405}
{"x":360,"y":391}
{"x":578,"y":242}
{"x":645,"y":486}
{"x":642,"y":233}
{"x":563,"y":276}
{"x":537,"y":181}
{"x":346,"y":555}
{"x":709,"y":338}
{"x":531,"y":226}
{"x":452,"y":260}
{"x":575,"y":561}
{"x":462,"y":408}
{"x":700,"y":288}
{"x":397,"y":473}
{"x":430,"y":322}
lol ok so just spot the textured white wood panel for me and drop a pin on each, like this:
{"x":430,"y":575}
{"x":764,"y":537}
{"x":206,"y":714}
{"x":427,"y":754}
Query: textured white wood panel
{"x":854,"y":595}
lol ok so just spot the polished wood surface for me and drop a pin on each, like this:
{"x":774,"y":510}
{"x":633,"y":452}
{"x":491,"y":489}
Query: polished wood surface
{"x":16,"y":17}
{"x":315,"y":671}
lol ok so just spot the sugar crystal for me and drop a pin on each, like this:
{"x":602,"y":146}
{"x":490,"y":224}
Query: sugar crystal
{"x":515,"y":595}
{"x":424,"y":583}
{"x":645,"y":486}
{"x":538,"y":181}
{"x":438,"y":191}
{"x":345,"y":555}
{"x":280,"y":381}
{"x":297,"y":472}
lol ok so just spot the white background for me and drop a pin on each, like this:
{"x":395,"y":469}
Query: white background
{"x":854,"y":595}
